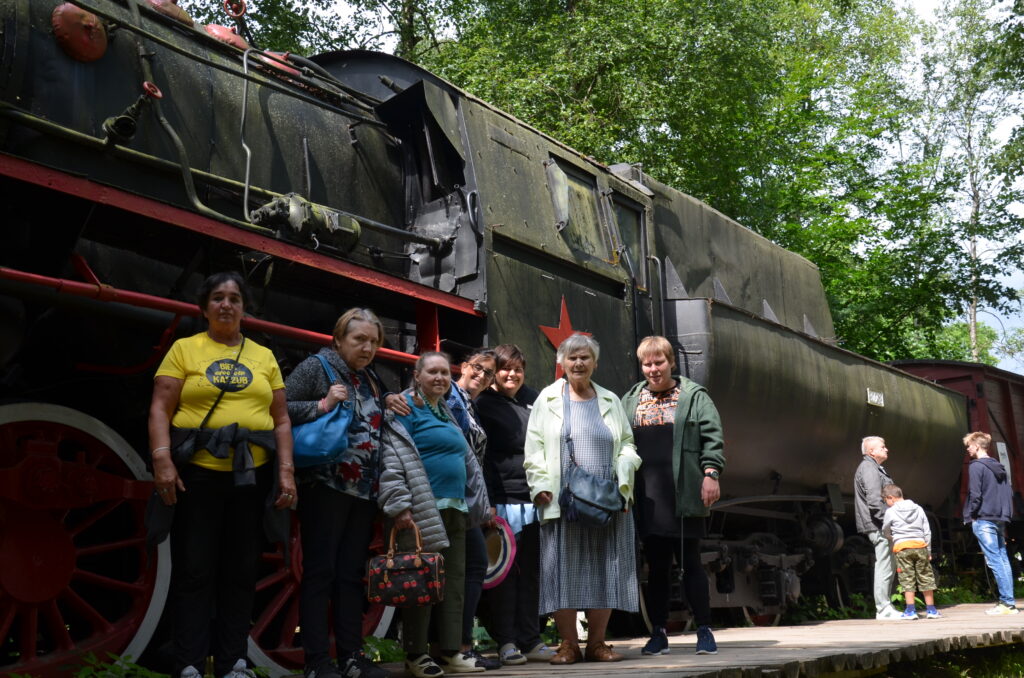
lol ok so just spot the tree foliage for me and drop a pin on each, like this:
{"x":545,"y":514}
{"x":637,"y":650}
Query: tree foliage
{"x":953,"y":342}
{"x":298,"y":26}
{"x":787,"y":116}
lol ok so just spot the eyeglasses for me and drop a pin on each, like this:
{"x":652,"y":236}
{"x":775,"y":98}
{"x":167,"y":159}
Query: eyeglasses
{"x":480,"y":369}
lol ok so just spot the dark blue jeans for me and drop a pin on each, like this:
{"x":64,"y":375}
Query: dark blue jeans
{"x":993,"y":545}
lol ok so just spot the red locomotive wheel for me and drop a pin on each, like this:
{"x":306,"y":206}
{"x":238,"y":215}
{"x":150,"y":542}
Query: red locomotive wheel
{"x":275,"y":640}
{"x":75,"y":576}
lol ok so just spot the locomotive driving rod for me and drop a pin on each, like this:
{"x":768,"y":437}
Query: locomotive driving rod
{"x":108,"y":294}
{"x":41,"y":124}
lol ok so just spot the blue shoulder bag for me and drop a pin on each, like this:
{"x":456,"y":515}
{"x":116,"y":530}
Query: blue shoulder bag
{"x":586,"y":499}
{"x":324,"y":440}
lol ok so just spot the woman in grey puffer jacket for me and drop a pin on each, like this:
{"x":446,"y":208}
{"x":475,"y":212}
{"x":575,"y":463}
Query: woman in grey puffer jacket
{"x":404,"y":485}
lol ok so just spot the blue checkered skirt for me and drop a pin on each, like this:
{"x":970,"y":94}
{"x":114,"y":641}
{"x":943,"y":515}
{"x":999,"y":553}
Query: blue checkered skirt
{"x":586,"y":568}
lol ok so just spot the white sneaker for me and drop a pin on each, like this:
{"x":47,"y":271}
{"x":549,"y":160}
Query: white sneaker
{"x":423,"y":667}
{"x":1002,"y":608}
{"x":888,"y":612}
{"x":540,"y":653}
{"x":240,"y":670}
{"x":461,"y":662}
{"x":190,"y":672}
{"x":510,"y":655}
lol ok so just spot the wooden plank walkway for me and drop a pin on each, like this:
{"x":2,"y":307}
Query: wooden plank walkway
{"x":833,"y":648}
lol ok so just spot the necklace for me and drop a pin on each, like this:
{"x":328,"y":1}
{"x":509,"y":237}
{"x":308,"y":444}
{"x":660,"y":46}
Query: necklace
{"x":436,"y":409}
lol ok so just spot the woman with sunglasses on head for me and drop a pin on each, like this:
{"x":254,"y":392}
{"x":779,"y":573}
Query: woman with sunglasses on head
{"x":477,"y":373}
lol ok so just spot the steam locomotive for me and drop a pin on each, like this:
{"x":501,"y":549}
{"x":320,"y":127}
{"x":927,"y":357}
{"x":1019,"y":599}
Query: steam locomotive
{"x":138,"y":153}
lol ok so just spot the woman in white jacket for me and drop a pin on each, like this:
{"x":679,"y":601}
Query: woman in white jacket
{"x":584,"y":568}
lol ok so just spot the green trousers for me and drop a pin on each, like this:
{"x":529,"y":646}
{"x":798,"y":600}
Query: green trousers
{"x":446,"y":615}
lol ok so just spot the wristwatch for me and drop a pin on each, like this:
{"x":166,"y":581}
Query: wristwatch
{"x":713,"y":474}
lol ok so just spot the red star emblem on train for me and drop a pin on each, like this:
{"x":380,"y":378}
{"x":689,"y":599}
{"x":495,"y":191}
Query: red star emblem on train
{"x":556,"y":335}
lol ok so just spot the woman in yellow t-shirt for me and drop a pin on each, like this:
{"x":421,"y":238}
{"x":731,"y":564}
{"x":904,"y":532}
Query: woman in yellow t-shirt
{"x":217,"y":415}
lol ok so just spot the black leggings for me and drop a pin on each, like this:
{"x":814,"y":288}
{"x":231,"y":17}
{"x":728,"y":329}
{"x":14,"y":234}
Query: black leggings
{"x":476,"y":571}
{"x":659,"y":553}
{"x":215,"y":547}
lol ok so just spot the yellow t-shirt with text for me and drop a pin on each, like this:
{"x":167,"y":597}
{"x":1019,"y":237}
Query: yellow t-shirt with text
{"x":208,"y":367}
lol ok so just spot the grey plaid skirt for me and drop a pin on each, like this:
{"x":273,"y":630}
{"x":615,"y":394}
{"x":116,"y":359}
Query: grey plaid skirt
{"x":586,"y":568}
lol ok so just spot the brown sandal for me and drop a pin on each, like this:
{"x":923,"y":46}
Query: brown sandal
{"x":568,"y":653}
{"x":602,"y":652}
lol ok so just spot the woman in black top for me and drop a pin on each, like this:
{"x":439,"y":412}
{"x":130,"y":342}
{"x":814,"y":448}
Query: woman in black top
{"x":504,"y":411}
{"x":678,"y":435}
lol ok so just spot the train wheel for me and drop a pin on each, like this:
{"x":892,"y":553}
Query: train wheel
{"x":75,"y":574}
{"x":275,"y":643}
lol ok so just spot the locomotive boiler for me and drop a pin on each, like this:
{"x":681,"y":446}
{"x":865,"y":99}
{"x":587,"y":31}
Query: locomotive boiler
{"x":138,"y":153}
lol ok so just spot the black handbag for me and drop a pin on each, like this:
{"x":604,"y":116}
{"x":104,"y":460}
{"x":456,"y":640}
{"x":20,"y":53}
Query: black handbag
{"x":405,"y":578}
{"x":586,"y":499}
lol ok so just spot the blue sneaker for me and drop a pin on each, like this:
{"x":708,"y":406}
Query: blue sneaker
{"x":909,"y":614}
{"x":658,"y":644}
{"x":706,"y":641}
{"x":932,"y":613}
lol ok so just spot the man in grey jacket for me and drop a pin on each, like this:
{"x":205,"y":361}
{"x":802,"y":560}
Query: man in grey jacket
{"x":869,"y":511}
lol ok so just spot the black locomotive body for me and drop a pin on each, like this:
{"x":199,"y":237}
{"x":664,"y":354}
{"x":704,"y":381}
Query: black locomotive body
{"x":358,"y":178}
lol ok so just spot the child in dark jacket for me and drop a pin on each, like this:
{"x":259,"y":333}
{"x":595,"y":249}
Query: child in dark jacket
{"x":907,"y":529}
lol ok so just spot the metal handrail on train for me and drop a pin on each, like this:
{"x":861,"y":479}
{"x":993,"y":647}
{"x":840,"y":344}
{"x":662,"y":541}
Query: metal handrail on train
{"x":41,"y":124}
{"x":108,"y":294}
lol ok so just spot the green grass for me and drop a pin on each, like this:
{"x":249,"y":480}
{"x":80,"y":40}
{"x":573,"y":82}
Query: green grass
{"x":1004,"y":661}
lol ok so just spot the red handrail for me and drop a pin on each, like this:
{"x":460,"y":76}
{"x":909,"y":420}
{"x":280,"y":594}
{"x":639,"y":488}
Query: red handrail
{"x":106,"y":293}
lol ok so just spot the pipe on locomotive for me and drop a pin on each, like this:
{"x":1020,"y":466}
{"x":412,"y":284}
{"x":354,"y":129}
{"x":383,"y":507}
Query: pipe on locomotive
{"x":222,"y":67}
{"x":42,"y":125}
{"x":108,"y":294}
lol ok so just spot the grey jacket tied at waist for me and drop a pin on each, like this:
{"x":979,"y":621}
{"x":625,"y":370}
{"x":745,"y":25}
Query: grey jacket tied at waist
{"x":404,"y":484}
{"x":219,"y":442}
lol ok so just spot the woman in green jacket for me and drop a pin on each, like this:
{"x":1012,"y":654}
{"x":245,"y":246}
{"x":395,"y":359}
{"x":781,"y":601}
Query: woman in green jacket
{"x":678,"y":436}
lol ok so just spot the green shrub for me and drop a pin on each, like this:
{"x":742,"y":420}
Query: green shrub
{"x":382,"y":650}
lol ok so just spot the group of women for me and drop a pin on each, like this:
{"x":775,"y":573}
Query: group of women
{"x":444,"y":457}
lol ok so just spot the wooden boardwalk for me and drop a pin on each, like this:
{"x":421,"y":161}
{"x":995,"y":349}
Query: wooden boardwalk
{"x":832,"y":648}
